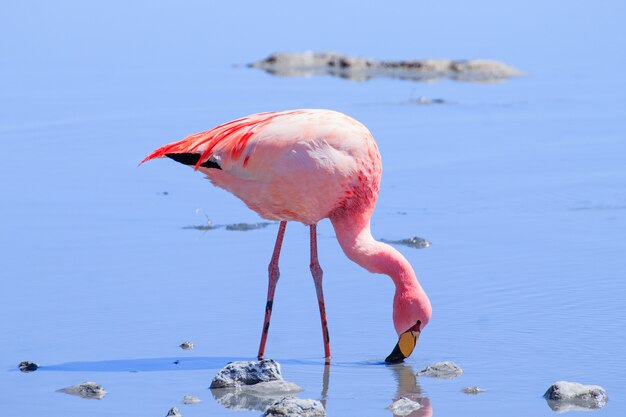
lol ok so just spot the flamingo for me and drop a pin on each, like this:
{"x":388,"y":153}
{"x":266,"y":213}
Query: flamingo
{"x":305,"y":166}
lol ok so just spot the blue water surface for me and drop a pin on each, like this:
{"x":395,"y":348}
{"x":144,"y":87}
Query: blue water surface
{"x":520,"y":186}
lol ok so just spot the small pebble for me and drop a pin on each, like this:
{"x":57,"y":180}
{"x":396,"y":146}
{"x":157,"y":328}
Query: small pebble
{"x":244,"y":227}
{"x":472,"y":390}
{"x":190,"y":399}
{"x":445,"y":370}
{"x":27,"y":366}
{"x":404,"y":406}
{"x":186,"y":345}
{"x":296,"y":407}
{"x":89,"y":390}
{"x":426,"y":100}
{"x":174,"y":412}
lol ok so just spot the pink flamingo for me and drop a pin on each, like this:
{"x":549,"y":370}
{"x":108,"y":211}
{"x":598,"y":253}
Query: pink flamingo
{"x":307,"y":165}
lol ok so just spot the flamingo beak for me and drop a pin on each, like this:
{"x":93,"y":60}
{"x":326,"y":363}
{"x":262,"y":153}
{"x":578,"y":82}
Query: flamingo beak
{"x":404,"y":347}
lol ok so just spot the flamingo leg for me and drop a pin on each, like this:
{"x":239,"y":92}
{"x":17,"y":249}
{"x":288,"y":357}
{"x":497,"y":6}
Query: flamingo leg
{"x":316,"y":271}
{"x":274,"y":274}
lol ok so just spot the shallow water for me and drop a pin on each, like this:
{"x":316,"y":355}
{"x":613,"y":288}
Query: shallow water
{"x":519,"y":187}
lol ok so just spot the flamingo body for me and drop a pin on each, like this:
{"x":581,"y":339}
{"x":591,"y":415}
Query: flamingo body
{"x":304,"y":166}
{"x":290,"y":166}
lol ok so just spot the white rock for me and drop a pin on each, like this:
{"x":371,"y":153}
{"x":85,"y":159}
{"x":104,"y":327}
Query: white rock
{"x":565,"y":396}
{"x":241,"y":373}
{"x":89,"y":390}
{"x":445,"y":370}
{"x":404,"y":406}
{"x":296,"y":407}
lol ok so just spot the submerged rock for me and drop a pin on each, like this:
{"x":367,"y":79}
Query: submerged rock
{"x":27,"y":366}
{"x":291,"y":64}
{"x":174,"y":412}
{"x":244,"y":227}
{"x":404,"y":406}
{"x":89,"y":390}
{"x":254,"y":397}
{"x":296,"y":407}
{"x":445,"y":370}
{"x":413,"y":242}
{"x":566,"y":396}
{"x":186,"y":345}
{"x":190,"y":399}
{"x":425,"y":101}
{"x":240,"y":227}
{"x":472,"y":390}
{"x":241,"y":373}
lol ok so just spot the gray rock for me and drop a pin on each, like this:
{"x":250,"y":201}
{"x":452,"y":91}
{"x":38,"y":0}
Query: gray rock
{"x":445,"y":370}
{"x":241,"y":373}
{"x":186,"y":345}
{"x":412,"y":242}
{"x":358,"y":68}
{"x":296,"y":407}
{"x":472,"y":390}
{"x":404,"y":406}
{"x":27,"y":366}
{"x":255,"y":397}
{"x":566,"y":396}
{"x":174,"y":412}
{"x":89,"y":390}
{"x":425,"y":101}
{"x":190,"y":399}
{"x":244,"y":227}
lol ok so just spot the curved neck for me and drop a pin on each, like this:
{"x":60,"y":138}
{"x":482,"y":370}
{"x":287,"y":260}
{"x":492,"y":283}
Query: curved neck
{"x":355,"y":238}
{"x":410,"y":302}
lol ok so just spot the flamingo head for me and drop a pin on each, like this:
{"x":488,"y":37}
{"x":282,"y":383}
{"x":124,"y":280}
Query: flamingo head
{"x":411,"y":313}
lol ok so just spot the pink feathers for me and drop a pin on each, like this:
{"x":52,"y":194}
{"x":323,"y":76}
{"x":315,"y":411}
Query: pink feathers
{"x":231,"y":137}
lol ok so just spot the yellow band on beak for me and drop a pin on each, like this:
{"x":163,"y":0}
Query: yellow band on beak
{"x":407,"y":342}
{"x":404,"y":347}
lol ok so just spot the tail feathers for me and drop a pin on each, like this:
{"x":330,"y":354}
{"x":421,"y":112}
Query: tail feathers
{"x":231,"y":139}
{"x":171,"y":148}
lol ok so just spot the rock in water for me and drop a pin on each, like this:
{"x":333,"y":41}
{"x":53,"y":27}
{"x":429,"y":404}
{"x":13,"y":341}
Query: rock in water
{"x":472,"y":390}
{"x":566,"y":396}
{"x":255,"y":397}
{"x":27,"y":366}
{"x":404,"y":406}
{"x":190,"y":399}
{"x":242,"y":373}
{"x":291,"y":64}
{"x":174,"y":412}
{"x":412,"y":242}
{"x":296,"y":407}
{"x":445,"y":370}
{"x":186,"y":345}
{"x":244,"y":227}
{"x":89,"y":390}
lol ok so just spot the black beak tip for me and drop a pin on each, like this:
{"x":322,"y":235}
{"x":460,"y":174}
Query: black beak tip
{"x":395,"y":356}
